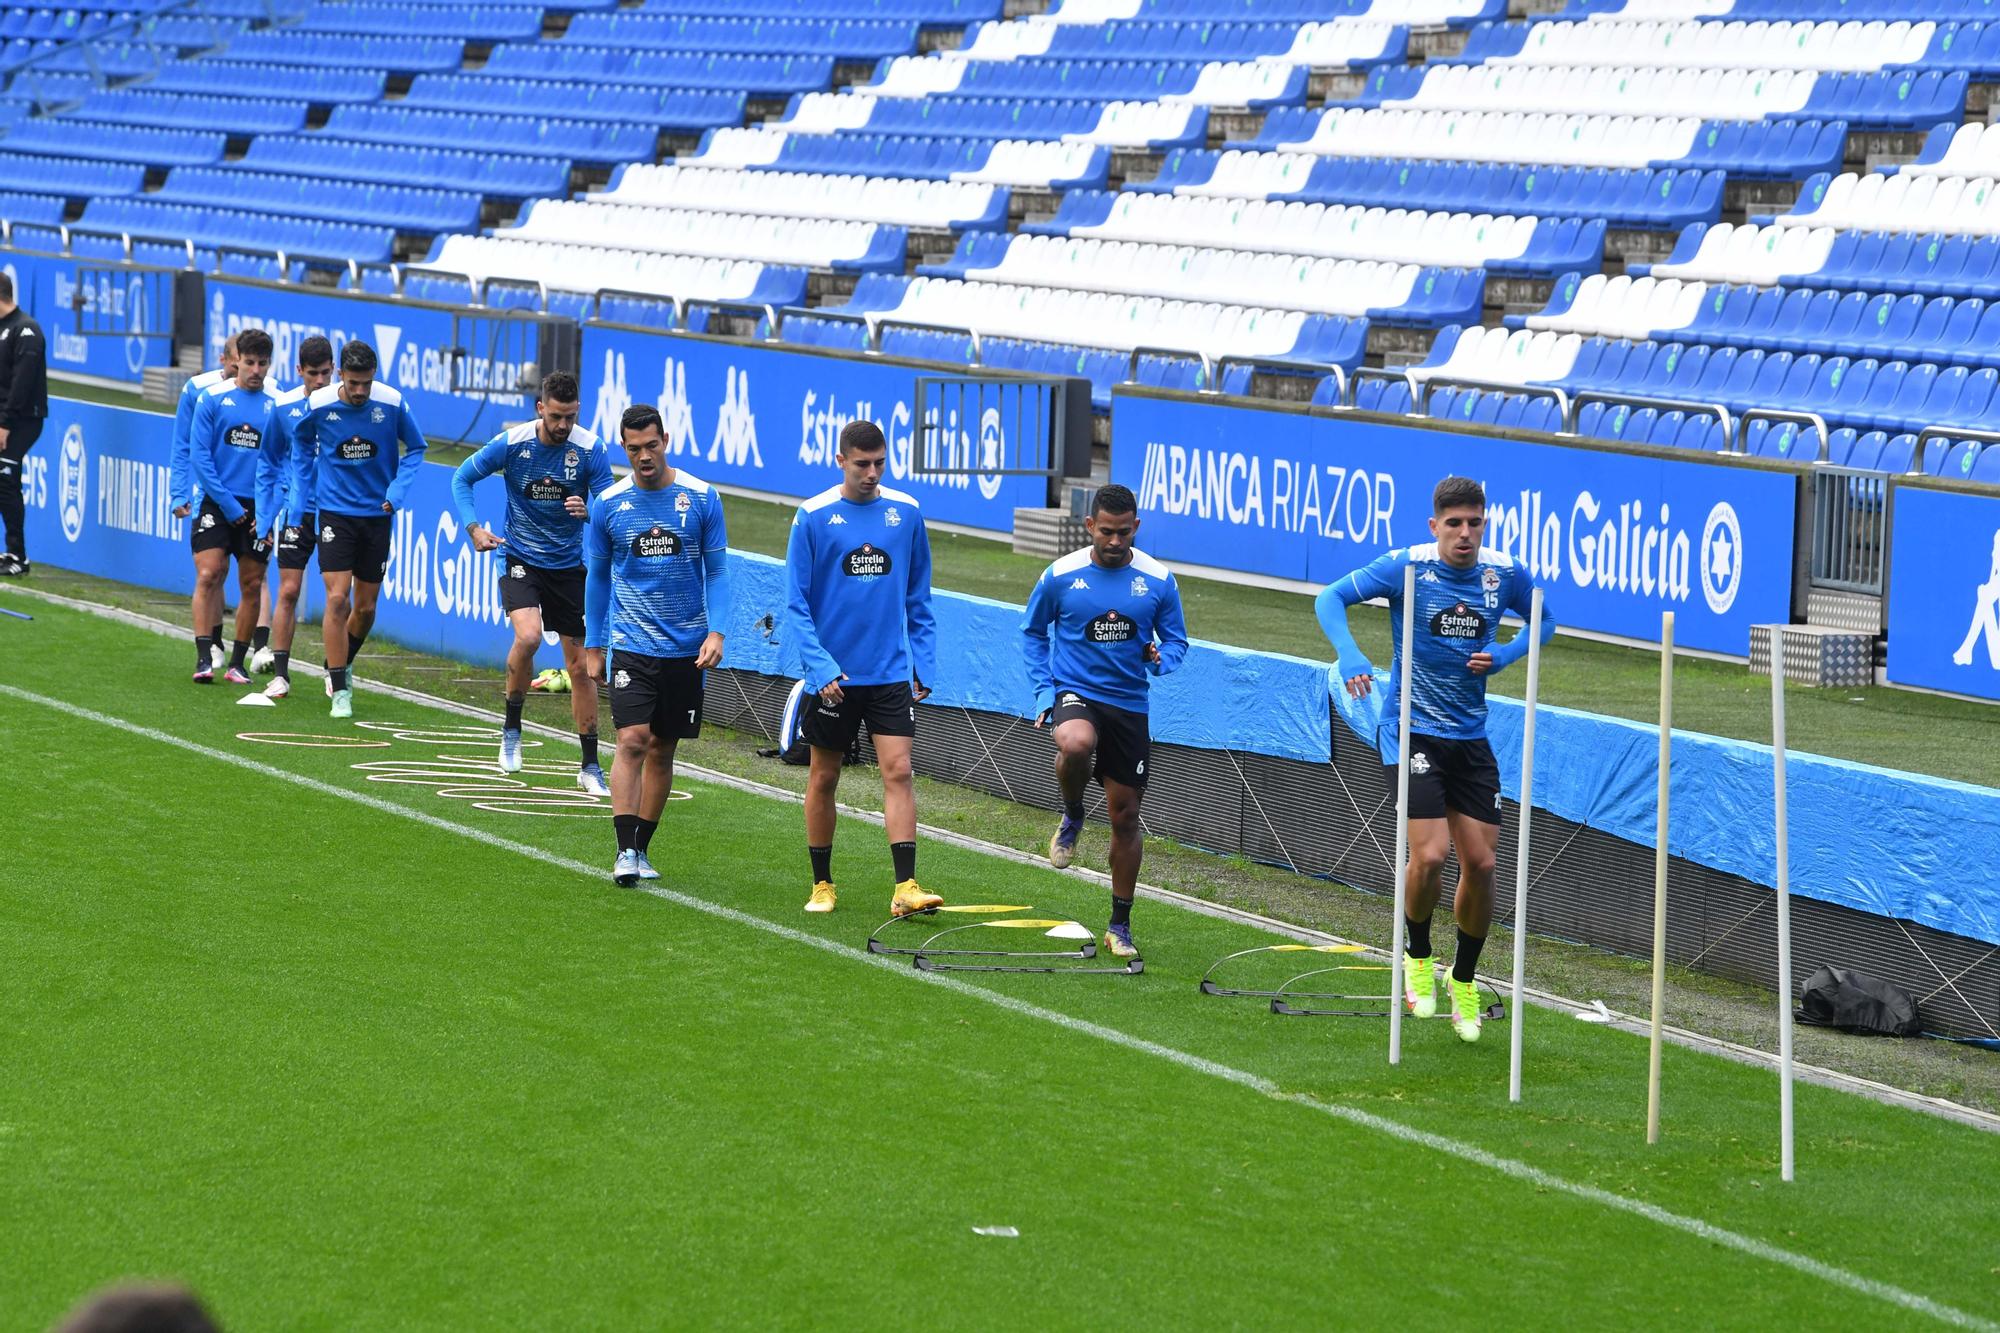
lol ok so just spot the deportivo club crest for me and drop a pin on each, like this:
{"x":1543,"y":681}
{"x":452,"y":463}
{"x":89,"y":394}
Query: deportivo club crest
{"x":326,"y":533}
{"x":1490,"y":580}
{"x":1139,"y":588}
{"x":891,"y":516}
{"x":622,"y":680}
{"x":683,"y":502}
{"x":377,"y":415}
{"x":570,"y":460}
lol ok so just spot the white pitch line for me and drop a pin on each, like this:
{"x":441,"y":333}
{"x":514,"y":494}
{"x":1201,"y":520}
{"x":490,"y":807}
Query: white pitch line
{"x":1465,"y":1152}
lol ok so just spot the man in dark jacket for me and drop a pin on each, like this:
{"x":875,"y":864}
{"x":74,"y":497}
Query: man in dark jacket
{"x":24,"y":404}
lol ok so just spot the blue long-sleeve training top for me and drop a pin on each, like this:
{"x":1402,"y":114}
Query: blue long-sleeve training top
{"x":1457,"y":615}
{"x":656,"y":568}
{"x":539,"y":477}
{"x":1086,"y":628}
{"x":232,"y":429}
{"x":180,"y":476}
{"x":278,"y":469}
{"x":348,"y":460}
{"x":858,"y":590}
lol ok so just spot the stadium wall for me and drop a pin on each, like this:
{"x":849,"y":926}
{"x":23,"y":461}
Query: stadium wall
{"x":1245,"y":743}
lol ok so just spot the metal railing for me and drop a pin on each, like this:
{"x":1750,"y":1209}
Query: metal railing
{"x":1208,"y":384}
{"x":1813,"y":419}
{"x":984,"y":427}
{"x":1950,"y":435}
{"x":1586,"y":398}
{"x":1423,"y":386}
{"x":876,"y":327}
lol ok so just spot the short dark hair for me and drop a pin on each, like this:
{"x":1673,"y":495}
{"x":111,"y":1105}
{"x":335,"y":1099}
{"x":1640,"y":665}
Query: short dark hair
{"x":358,"y":357}
{"x":315,"y":351}
{"x":1458,"y":493}
{"x":141,"y":1308}
{"x":6,"y":286}
{"x":253,"y":342}
{"x":558,"y":387}
{"x":641,"y":417}
{"x":862,"y":436}
{"x":1113,"y":499}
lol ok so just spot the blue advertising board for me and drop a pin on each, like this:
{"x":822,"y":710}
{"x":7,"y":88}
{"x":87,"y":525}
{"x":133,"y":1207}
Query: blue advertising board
{"x":1944,"y":591}
{"x":68,"y":295}
{"x":1616,"y":538}
{"x":767,"y":419}
{"x":412,"y":341}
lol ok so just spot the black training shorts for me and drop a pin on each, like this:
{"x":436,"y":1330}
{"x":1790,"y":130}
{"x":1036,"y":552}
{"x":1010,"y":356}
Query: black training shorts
{"x":212,"y":531}
{"x":354,"y":543}
{"x":889,"y":710}
{"x":557,"y":593}
{"x":1451,"y":775}
{"x":660,"y":693}
{"x":297,"y":542}
{"x":1124,"y":739}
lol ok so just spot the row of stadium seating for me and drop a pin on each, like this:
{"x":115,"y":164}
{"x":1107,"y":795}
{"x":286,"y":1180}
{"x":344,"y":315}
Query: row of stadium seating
{"x":1925,"y":263}
{"x":1155,"y":125}
{"x":1891,"y":100}
{"x":1333,"y":44}
{"x":1737,"y":44}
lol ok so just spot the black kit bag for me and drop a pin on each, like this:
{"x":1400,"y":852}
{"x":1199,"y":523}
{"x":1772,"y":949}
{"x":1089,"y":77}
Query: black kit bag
{"x":1836,"y":997}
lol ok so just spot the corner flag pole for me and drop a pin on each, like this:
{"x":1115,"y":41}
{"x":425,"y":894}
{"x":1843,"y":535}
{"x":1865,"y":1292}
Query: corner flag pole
{"x":1660,"y":874}
{"x":1527,"y":808}
{"x":1402,"y":813}
{"x":1783,"y":884}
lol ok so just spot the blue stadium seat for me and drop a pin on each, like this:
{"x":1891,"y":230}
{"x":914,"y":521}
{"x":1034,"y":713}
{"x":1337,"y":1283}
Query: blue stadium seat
{"x":305,"y":197}
{"x":579,"y":140}
{"x":278,"y":49}
{"x":442,"y":168}
{"x":845,"y":38}
{"x":460,"y":22}
{"x":238,"y":229}
{"x":667,"y":108}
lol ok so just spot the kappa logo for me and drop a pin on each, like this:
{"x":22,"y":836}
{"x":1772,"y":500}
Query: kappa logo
{"x":228,"y":401}
{"x":527,"y":453}
{"x":622,"y":680}
{"x":1985,"y":617}
{"x":892,"y":516}
{"x":1420,"y":763}
{"x":836,"y":521}
{"x":1139,"y":588}
{"x":1428,"y":576}
{"x":624,"y":506}
{"x":1079,"y":584}
{"x":333,"y":418}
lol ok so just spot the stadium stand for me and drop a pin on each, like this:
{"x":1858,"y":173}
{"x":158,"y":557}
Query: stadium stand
{"x":1189,"y":192}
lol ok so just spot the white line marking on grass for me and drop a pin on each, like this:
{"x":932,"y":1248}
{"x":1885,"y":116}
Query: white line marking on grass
{"x":1465,"y":1152}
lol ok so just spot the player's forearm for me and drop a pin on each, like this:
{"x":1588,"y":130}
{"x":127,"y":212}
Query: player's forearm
{"x":818,"y":665}
{"x":461,"y":494}
{"x":596,"y":602}
{"x":1331,"y":609}
{"x":715,"y":591}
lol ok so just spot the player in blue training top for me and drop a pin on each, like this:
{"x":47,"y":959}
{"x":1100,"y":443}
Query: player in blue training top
{"x":1462,"y":588}
{"x":232,"y":429}
{"x":551,"y":468}
{"x":858,"y":606}
{"x":1100,"y":622}
{"x":180,"y":478}
{"x":350,"y":478}
{"x":277,"y":483}
{"x":656,"y":595}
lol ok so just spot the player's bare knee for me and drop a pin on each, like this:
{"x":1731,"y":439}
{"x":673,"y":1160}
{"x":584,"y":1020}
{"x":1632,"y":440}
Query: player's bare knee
{"x":1476,"y":864}
{"x":896,"y":770}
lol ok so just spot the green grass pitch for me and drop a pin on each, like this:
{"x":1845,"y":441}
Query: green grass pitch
{"x":354,"y":1053}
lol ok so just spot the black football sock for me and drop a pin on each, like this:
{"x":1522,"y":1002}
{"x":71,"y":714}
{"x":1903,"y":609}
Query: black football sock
{"x":1121,"y":911}
{"x":1463,"y":966}
{"x":904,"y":854}
{"x":514,"y":702}
{"x":643,"y":838}
{"x":238,"y":651}
{"x":1418,"y":942}
{"x":281,"y":664}
{"x":216,"y":637}
{"x":339,"y":676}
{"x":822,"y":859}
{"x":201,"y":646}
{"x":1073,"y":810}
{"x":587,"y":741}
{"x":354,"y":642}
{"x":260,"y":638}
{"x":628,"y":831}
